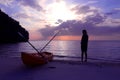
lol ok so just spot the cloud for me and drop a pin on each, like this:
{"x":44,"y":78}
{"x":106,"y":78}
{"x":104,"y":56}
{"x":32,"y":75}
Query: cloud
{"x":85,"y":9}
{"x":21,"y":15}
{"x":97,"y":24}
{"x":111,"y":22}
{"x":30,"y":18}
{"x":92,"y":2}
{"x":30,"y":3}
{"x":75,"y":27}
{"x":95,"y":19}
{"x":114,"y":12}
{"x":6,"y":2}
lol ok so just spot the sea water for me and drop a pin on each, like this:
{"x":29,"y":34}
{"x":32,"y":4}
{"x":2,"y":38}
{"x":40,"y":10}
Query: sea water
{"x":97,"y":50}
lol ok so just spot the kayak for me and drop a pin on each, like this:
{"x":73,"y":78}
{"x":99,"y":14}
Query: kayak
{"x":34,"y":59}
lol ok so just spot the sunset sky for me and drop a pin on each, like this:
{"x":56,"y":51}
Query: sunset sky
{"x":43,"y":18}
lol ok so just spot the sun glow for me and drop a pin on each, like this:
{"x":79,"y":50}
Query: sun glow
{"x":59,"y":10}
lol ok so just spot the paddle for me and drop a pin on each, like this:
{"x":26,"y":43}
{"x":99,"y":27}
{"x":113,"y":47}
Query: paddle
{"x":31,"y":45}
{"x":49,"y":41}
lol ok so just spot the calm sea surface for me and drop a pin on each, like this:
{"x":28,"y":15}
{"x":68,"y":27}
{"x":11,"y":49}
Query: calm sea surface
{"x":103,"y":50}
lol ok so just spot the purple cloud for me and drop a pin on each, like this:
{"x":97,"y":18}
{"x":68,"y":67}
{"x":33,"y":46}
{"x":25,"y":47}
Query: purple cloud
{"x":93,"y":17}
{"x":31,"y":3}
{"x":21,"y":15}
{"x":114,"y":12}
{"x":74,"y":27}
{"x":84,"y":9}
{"x":6,"y":2}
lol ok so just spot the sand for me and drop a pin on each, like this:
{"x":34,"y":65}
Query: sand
{"x":13,"y":69}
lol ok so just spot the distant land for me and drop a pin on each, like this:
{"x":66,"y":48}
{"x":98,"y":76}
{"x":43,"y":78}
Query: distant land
{"x":9,"y":29}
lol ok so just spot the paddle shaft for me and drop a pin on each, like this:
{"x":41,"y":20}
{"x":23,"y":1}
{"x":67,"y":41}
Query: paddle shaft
{"x":49,"y":41}
{"x":30,"y":44}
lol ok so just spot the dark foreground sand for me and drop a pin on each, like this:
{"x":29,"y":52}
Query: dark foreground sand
{"x":14,"y":69}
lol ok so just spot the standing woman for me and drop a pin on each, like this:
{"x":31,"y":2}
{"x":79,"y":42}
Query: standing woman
{"x":84,"y":44}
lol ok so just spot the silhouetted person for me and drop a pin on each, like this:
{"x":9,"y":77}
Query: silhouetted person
{"x":84,"y":44}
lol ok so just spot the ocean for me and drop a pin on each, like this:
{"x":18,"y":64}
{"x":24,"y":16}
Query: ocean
{"x":97,"y":50}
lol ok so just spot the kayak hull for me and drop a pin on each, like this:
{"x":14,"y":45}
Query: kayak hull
{"x":34,"y":59}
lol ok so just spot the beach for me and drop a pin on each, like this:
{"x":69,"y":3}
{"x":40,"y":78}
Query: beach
{"x":103,"y":63}
{"x":12,"y":68}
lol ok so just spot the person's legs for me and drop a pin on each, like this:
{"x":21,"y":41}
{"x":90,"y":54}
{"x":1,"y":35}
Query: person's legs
{"x":85,"y":56}
{"x":82,"y":56}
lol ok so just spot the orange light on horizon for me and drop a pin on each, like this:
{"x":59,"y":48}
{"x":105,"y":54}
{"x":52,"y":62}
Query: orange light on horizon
{"x":67,"y":37}
{"x":71,"y":37}
{"x":38,"y":36}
